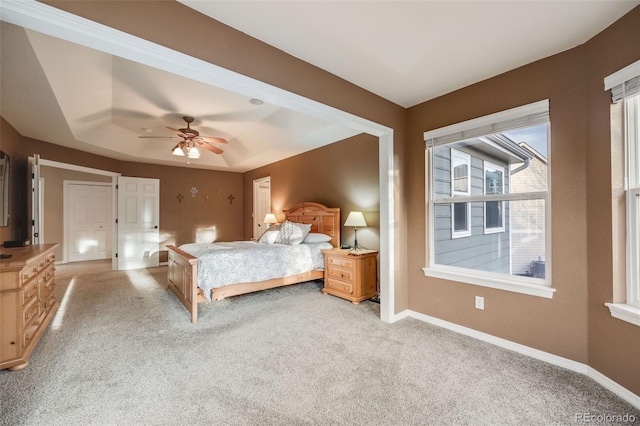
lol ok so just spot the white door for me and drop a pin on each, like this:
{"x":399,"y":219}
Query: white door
{"x":261,"y":205}
{"x":88,"y":222}
{"x":138,"y":222}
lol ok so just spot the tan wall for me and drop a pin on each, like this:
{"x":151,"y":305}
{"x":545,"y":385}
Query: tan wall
{"x":182,"y":221}
{"x":344,"y":175}
{"x":582,"y":277}
{"x":614,"y":345}
{"x":10,"y":143}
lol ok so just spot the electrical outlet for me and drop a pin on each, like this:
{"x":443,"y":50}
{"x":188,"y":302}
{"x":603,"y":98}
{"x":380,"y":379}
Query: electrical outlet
{"x":480,"y":302}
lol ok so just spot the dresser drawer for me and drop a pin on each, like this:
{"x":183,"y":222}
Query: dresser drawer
{"x":28,"y":272}
{"x":28,"y":292}
{"x":341,"y":262}
{"x":28,"y":334}
{"x":29,"y":312}
{"x":340,"y":273}
{"x":340,"y":286}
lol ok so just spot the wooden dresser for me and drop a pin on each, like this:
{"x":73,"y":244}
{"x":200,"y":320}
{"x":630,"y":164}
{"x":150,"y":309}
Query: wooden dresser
{"x":27,"y":301}
{"x":351,"y":275}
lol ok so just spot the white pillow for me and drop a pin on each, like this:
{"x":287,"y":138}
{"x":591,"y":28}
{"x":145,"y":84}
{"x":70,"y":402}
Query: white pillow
{"x":269,"y":236}
{"x":292,"y":233}
{"x":316,"y":238}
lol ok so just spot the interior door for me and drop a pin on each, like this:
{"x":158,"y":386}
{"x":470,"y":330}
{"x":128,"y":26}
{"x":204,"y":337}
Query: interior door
{"x":88,"y":222}
{"x":261,"y":205}
{"x":138,"y":222}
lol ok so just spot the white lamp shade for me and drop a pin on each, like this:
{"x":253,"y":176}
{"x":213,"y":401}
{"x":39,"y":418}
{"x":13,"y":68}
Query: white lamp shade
{"x":178,"y":151}
{"x":194,"y":153}
{"x":270,"y":218}
{"x":355,"y":219}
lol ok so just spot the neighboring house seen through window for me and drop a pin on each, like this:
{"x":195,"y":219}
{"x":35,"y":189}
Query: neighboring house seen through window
{"x":487,"y":186}
{"x":461,"y":178}
{"x":493,"y":210}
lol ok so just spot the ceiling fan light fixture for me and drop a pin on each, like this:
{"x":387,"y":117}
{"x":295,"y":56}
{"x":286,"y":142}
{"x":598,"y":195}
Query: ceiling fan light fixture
{"x":193,"y":153}
{"x":178,"y":151}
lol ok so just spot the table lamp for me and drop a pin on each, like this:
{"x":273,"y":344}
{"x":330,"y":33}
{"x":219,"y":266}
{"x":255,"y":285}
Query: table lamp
{"x":355,"y":219}
{"x":270,"y":219}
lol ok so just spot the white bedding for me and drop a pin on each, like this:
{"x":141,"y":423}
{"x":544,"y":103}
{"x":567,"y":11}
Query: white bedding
{"x":221,"y":264}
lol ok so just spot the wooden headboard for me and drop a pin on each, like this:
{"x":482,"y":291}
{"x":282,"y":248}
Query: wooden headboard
{"x":323,"y":220}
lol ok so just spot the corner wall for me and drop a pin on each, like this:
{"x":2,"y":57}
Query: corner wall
{"x":344,"y":174}
{"x":614,"y":345}
{"x":575,"y":324}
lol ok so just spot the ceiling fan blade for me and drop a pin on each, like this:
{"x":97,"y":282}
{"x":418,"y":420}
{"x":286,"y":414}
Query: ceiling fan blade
{"x":215,"y":140}
{"x":209,"y":147}
{"x":178,"y":132}
{"x":159,"y":137}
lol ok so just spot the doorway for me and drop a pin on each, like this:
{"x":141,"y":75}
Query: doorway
{"x":261,"y":204}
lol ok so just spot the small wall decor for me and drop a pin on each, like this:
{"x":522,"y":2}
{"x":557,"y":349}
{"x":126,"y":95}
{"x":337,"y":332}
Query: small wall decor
{"x":179,"y":197}
{"x":193,"y":191}
{"x":231,"y":198}
{"x":206,"y":198}
{"x":220,"y":192}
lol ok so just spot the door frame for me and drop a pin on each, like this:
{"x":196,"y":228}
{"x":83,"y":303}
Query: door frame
{"x":66,"y":211}
{"x":114,"y":180}
{"x":256,"y":184}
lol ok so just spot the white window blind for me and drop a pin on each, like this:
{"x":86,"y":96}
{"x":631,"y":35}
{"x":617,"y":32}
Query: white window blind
{"x":625,"y":82}
{"x":516,"y":118}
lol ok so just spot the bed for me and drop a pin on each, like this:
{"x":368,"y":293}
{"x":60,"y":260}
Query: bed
{"x":196,"y":272}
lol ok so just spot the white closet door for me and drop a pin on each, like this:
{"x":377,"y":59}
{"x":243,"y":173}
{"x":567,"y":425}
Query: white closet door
{"x":89,"y":222}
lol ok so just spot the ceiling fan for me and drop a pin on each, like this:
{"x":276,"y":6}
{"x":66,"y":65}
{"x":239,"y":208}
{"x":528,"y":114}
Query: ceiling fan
{"x":191,"y":139}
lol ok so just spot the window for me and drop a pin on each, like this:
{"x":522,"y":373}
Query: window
{"x":625,"y":89}
{"x":461,"y":186}
{"x":493,"y":210}
{"x":487,"y":181}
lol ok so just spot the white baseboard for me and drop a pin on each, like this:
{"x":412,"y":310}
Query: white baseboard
{"x":578,"y":367}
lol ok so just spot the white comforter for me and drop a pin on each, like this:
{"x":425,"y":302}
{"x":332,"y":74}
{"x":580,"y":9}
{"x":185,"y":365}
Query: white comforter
{"x":221,"y":264}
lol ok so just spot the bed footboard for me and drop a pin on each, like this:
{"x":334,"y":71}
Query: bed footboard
{"x":183,"y":279}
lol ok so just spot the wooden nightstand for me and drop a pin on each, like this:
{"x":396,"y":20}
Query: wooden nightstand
{"x":351,"y":275}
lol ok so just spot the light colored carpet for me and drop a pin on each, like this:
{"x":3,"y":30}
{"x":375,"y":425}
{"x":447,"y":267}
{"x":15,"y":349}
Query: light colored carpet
{"x":122,"y":351}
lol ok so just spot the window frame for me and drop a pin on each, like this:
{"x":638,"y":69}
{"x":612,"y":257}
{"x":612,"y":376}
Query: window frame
{"x":629,"y":309}
{"x":520,"y":117}
{"x":632,"y":149}
{"x":502,"y":227}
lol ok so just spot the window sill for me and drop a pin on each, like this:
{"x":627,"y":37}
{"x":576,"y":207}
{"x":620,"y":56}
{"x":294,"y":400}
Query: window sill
{"x":513,"y":284}
{"x":625,"y":312}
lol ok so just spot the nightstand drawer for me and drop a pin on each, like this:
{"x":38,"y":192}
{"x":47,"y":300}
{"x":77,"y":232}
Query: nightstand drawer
{"x":341,"y":262}
{"x":340,"y":273}
{"x":340,"y":286}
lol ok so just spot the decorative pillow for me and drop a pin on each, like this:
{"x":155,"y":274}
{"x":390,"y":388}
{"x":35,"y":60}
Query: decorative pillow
{"x":292,"y":233}
{"x":270,"y":235}
{"x":316,"y":238}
